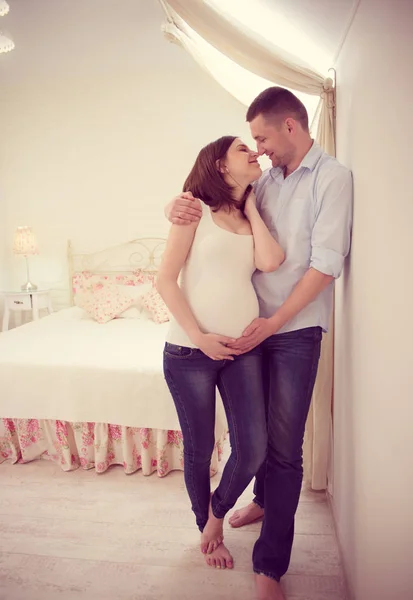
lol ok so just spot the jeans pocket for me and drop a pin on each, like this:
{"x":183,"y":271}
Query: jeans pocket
{"x":174,"y":351}
{"x":311,"y":333}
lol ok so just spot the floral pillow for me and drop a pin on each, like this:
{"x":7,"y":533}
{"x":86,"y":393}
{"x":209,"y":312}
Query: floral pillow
{"x":143,"y":276}
{"x":104,"y":302}
{"x":156,"y":307}
{"x":85,"y":280}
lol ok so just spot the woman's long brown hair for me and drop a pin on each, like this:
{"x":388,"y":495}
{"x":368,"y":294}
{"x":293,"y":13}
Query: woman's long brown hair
{"x":206,"y":182}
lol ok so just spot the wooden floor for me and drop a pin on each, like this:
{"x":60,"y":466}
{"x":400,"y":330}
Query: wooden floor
{"x":80,"y":535}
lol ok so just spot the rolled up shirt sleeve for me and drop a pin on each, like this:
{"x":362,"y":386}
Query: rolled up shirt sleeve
{"x":331,"y":235}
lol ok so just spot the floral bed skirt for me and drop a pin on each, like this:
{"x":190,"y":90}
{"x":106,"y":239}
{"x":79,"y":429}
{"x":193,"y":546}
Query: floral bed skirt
{"x":96,"y":446}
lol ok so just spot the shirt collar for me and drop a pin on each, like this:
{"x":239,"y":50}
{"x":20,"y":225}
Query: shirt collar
{"x":311,"y":158}
{"x":309,"y":161}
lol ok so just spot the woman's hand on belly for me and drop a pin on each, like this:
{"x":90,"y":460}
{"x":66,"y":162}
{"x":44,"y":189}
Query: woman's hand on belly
{"x":216,"y":346}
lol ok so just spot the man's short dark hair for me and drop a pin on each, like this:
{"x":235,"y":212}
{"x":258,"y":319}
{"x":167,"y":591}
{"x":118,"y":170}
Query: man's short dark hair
{"x":278,"y":102}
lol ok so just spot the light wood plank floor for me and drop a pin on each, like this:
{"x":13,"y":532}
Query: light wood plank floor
{"x":85,"y":536}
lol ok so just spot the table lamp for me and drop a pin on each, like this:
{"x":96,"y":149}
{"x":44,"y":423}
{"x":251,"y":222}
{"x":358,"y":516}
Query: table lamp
{"x":25,"y":244}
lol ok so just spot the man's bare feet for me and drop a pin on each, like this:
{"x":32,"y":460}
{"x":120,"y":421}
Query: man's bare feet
{"x":268,"y":589}
{"x":213,"y":533}
{"x":249,"y":514}
{"x":220,"y":558}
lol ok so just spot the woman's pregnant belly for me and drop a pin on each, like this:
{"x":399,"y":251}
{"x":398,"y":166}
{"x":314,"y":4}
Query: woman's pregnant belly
{"x":225,"y":309}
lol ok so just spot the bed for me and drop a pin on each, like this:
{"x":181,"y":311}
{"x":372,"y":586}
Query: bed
{"x":92,"y":395}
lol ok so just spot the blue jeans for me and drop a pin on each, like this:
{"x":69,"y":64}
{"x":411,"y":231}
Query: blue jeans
{"x":192,"y":378}
{"x":290,"y":368}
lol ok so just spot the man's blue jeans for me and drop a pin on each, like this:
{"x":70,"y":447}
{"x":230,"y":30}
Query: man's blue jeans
{"x":289,"y":372}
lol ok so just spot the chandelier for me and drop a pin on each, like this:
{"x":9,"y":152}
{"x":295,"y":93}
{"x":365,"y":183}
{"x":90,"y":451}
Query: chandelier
{"x":6,"y":44}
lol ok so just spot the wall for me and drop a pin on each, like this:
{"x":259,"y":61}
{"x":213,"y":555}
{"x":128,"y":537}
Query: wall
{"x":373,"y":470}
{"x":3,"y":252}
{"x":101,"y":121}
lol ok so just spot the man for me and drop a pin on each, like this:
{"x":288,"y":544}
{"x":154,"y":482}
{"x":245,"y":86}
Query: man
{"x":305,"y":200}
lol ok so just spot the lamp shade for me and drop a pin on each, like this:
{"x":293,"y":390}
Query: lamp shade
{"x":24,"y":241}
{"x":4,"y":8}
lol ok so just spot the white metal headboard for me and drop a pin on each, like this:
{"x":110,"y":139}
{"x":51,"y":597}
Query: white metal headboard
{"x":144,"y":254}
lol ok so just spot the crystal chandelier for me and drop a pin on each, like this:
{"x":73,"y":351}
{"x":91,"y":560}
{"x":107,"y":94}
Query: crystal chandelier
{"x":6,"y":44}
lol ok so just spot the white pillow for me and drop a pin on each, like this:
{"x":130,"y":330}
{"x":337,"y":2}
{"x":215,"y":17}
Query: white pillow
{"x":136,"y":311}
{"x":133,"y":313}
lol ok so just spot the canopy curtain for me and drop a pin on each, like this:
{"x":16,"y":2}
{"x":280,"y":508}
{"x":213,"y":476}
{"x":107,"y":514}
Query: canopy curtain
{"x":254,"y":54}
{"x":194,"y":23}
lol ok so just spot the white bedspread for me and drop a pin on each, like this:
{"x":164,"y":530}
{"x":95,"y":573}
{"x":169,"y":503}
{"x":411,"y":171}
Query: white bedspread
{"x":68,"y":367}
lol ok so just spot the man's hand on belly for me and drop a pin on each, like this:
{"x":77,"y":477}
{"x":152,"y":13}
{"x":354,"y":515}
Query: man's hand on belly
{"x":258,"y":331}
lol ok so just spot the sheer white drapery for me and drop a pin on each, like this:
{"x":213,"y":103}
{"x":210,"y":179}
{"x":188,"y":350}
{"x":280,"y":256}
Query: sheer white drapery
{"x":245,"y":63}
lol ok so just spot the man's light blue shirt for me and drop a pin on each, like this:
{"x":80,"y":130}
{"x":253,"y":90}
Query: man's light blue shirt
{"x":310,"y":214}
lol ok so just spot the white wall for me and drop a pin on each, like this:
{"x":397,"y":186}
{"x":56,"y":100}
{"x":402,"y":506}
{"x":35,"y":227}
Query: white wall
{"x":101,"y":119}
{"x":373,"y":471}
{"x":2,"y":250}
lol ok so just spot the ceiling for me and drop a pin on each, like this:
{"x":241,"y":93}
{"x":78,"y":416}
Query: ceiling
{"x":55,"y":37}
{"x":324,"y":21}
{"x":311,"y":29}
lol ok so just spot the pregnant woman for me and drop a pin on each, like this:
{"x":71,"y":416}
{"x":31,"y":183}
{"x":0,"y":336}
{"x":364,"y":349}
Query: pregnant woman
{"x":205,"y":281}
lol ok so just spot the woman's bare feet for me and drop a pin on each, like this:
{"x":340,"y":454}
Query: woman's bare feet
{"x":249,"y":514}
{"x":268,"y":589}
{"x":220,"y":558}
{"x":213,"y":533}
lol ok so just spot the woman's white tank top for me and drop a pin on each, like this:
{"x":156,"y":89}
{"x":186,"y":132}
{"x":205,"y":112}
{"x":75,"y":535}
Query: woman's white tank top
{"x":216,"y":282}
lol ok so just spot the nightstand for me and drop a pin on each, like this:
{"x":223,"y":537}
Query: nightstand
{"x":25,"y":301}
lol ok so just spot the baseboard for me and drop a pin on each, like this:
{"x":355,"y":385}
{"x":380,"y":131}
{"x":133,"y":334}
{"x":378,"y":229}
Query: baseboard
{"x":350,"y":595}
